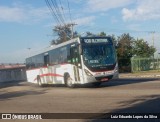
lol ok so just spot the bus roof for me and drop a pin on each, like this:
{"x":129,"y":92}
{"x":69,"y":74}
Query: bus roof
{"x":44,"y":50}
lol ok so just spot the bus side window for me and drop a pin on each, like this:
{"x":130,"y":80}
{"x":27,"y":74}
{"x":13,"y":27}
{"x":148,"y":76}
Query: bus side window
{"x":68,"y":55}
{"x":46,"y":60}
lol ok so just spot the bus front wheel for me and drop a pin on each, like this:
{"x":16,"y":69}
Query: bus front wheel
{"x":69,"y":82}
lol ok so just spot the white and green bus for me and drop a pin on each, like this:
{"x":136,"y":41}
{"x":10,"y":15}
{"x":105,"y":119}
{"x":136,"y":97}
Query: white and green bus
{"x":78,"y":61}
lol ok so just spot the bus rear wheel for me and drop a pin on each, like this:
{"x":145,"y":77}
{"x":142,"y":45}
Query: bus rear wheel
{"x":39,"y":81}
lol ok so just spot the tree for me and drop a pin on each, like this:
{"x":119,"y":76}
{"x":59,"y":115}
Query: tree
{"x":125,"y":46}
{"x":64,"y":34}
{"x":125,"y":52}
{"x":89,"y":34}
{"x":102,"y":34}
{"x":142,"y":49}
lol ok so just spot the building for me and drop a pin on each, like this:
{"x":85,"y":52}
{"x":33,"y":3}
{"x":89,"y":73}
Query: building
{"x":12,"y":72}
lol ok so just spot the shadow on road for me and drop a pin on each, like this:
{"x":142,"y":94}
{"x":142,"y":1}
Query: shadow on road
{"x":150,"y":105}
{"x":126,"y":81}
{"x":119,"y":82}
{"x":5,"y":94}
{"x":9,"y":95}
{"x":12,"y":83}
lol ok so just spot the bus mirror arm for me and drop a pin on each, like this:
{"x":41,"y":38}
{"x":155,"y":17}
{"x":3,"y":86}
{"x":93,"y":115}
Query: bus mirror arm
{"x":80,"y":49}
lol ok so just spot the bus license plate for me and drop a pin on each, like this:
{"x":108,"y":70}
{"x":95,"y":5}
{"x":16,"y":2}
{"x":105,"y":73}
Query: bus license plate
{"x":104,"y":79}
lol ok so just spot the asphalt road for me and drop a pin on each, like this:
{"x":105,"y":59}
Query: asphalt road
{"x":116,"y":96}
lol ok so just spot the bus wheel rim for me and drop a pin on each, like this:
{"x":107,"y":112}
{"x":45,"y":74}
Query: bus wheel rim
{"x":39,"y":82}
{"x":69,"y":82}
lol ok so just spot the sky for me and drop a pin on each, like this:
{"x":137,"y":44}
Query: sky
{"x":26,"y":25}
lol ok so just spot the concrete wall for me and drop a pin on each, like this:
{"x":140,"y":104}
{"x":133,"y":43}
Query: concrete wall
{"x":16,"y":74}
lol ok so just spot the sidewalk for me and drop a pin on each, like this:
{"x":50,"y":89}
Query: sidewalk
{"x":140,"y":75}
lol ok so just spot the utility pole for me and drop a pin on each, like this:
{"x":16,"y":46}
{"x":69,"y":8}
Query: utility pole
{"x":153,"y":32}
{"x":72,"y":28}
{"x":29,"y":49}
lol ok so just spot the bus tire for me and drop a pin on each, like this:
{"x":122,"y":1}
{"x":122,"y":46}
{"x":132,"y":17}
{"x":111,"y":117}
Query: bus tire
{"x":96,"y":84}
{"x":39,"y":82}
{"x":69,"y":82}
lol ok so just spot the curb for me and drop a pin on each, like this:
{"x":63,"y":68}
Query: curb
{"x":139,"y":76}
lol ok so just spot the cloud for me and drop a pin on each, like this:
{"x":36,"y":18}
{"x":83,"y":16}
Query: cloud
{"x":11,"y":14}
{"x":85,"y":20}
{"x":22,"y":14}
{"x":114,"y":20}
{"x":145,"y":10}
{"x":134,"y":27}
{"x":105,"y":5}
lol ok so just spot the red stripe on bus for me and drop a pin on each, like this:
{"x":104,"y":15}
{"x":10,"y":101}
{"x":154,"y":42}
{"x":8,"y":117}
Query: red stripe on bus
{"x":49,"y":74}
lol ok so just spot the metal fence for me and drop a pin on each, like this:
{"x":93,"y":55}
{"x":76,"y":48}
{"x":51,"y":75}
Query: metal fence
{"x":144,"y":64}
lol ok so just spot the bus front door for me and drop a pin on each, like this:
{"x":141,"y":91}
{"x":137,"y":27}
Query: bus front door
{"x":75,"y":60}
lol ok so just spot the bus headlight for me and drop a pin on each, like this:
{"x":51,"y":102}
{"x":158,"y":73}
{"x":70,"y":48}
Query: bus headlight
{"x":87,"y":72}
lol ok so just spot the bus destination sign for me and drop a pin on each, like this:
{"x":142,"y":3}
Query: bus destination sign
{"x":96,"y":41}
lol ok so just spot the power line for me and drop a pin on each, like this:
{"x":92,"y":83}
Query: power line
{"x":57,"y":10}
{"x":52,"y":11}
{"x":69,"y":11}
{"x":62,"y":9}
{"x":59,"y":15}
{"x":116,"y":30}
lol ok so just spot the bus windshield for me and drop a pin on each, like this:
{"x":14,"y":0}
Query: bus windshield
{"x":98,"y":55}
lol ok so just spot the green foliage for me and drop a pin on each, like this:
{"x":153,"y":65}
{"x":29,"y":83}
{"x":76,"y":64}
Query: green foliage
{"x":102,"y":34}
{"x":89,"y":34}
{"x":128,"y":47}
{"x":63,"y":32}
{"x":124,"y":52}
{"x":125,"y":46}
{"x":142,"y":49}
